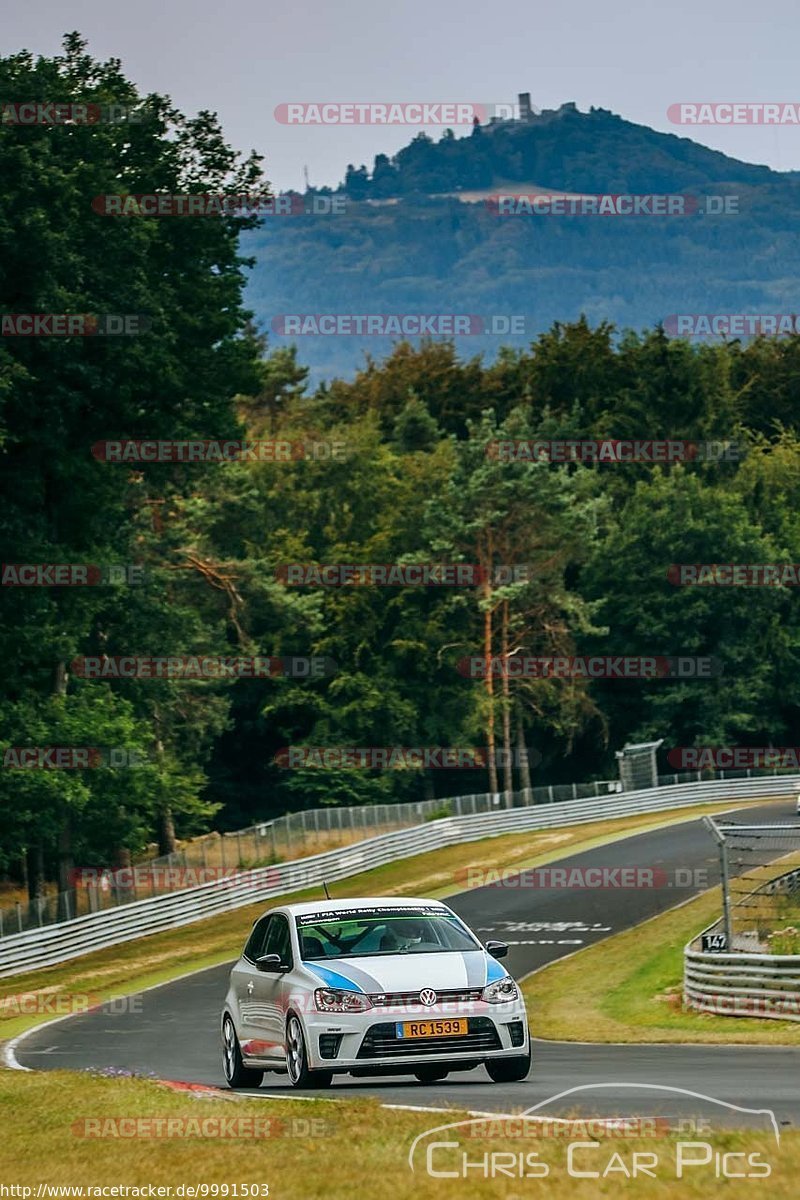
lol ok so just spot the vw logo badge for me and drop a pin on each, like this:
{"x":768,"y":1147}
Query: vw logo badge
{"x":427,"y":996}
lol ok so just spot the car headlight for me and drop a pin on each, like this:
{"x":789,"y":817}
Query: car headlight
{"x":501,"y":991}
{"x":340,"y":1000}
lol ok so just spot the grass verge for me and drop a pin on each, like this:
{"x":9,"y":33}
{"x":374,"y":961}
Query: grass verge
{"x":123,"y":969}
{"x":627,"y":988}
{"x":317,"y":1149}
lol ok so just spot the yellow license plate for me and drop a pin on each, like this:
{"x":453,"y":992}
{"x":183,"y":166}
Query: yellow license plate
{"x":443,"y":1027}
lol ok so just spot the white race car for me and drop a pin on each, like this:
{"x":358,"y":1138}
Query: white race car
{"x":370,"y":987}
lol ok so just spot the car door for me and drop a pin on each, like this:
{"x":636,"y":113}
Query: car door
{"x":266,"y":1001}
{"x":243,"y":981}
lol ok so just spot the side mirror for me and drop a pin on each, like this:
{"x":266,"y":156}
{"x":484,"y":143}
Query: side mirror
{"x":270,"y":962}
{"x":497,"y":949}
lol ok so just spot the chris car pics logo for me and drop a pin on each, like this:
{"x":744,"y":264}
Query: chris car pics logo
{"x":688,"y":1148}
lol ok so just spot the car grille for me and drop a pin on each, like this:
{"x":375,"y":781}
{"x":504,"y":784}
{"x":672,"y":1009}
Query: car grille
{"x":449,"y":996}
{"x":381,"y":1041}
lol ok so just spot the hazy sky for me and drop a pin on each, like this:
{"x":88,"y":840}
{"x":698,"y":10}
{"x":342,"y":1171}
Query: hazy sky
{"x":243,"y":58}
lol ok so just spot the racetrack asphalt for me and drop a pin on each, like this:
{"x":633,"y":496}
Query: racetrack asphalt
{"x":172,"y":1031}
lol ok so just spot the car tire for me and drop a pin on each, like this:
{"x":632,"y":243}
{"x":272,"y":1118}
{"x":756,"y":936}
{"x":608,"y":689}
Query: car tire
{"x":300,"y":1074}
{"x":236,"y":1073}
{"x":509,"y":1070}
{"x":431,"y":1074}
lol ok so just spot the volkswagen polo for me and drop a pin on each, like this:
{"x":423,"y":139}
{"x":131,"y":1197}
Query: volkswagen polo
{"x":370,"y":987}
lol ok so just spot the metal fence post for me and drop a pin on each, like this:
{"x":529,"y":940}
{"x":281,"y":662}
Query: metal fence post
{"x":726,"y":895}
{"x":719,"y":838}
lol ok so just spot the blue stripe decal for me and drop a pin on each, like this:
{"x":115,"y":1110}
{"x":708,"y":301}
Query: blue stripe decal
{"x":332,"y":978}
{"x":493,"y":970}
{"x":475,"y":966}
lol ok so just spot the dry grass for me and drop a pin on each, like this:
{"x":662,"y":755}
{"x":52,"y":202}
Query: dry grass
{"x":628,"y":989}
{"x":330,"y":1149}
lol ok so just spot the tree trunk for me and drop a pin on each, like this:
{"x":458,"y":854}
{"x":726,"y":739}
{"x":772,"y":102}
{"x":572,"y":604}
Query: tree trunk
{"x":122,"y":857}
{"x":522,"y":752}
{"x":60,"y":679}
{"x":166,"y":831}
{"x":36,"y":871}
{"x":486,"y":592}
{"x":508,"y":773}
{"x":66,"y":862}
{"x":489,"y":683}
{"x":166,"y":823}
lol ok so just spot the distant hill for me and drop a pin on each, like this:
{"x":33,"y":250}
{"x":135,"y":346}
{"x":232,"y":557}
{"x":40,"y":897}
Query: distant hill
{"x":418,"y":236}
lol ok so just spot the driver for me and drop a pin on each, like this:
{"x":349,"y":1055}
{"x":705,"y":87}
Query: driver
{"x":409,"y":933}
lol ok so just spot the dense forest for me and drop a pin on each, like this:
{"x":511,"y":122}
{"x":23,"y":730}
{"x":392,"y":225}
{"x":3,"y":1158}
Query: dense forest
{"x":397,"y":464}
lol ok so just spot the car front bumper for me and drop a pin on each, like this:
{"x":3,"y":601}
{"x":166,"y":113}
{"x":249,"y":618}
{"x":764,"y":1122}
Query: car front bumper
{"x":363,"y":1041}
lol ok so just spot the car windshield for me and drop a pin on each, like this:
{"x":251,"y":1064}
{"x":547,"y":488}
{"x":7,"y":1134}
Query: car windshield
{"x":354,"y":933}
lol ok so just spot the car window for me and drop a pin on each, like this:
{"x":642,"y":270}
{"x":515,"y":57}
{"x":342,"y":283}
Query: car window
{"x":278,"y":940}
{"x":359,"y":932}
{"x":255,"y":943}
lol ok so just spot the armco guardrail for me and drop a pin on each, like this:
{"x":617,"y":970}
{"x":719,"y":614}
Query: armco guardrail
{"x":70,"y":939}
{"x":740,"y":984}
{"x":295,"y":835}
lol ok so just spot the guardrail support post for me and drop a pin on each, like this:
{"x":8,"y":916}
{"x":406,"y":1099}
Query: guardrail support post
{"x":719,"y":838}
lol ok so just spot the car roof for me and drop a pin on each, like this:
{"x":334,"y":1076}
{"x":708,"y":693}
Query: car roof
{"x":333,"y":906}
